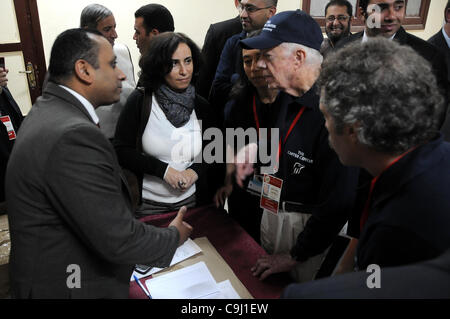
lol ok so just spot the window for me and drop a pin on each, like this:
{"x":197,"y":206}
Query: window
{"x":416,"y":13}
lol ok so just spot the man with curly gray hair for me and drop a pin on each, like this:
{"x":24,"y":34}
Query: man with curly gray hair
{"x":381,"y":105}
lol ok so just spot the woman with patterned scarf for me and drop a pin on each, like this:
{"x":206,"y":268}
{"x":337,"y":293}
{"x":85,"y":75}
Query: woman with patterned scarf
{"x":159,"y":135}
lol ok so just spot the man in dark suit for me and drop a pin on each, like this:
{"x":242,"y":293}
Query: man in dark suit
{"x":441,"y":40}
{"x":217,"y":35}
{"x":384,"y":18}
{"x":11,"y":118}
{"x":338,"y":23}
{"x":72,"y":230}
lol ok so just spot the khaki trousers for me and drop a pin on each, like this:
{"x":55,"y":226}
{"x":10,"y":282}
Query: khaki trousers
{"x":279,"y":234}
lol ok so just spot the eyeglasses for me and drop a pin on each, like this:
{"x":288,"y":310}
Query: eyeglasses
{"x":339,"y":18}
{"x":250,"y":9}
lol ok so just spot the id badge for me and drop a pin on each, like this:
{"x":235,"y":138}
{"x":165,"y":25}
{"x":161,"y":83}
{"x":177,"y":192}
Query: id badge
{"x":271,"y":193}
{"x":6,"y":120}
{"x":255,"y":185}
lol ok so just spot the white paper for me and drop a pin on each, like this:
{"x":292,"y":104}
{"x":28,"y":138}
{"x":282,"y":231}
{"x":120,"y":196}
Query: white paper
{"x":192,"y":282}
{"x":185,"y":251}
{"x":226,"y":291}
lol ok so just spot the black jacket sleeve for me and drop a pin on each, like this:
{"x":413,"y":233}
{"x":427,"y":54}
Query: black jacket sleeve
{"x":128,"y":140}
{"x":336,"y":197}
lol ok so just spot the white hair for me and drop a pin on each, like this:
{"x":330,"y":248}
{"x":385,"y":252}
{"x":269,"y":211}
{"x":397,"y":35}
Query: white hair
{"x":313,"y":57}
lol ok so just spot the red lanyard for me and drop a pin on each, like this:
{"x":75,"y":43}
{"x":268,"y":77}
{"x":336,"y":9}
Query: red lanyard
{"x":365,"y":214}
{"x":255,"y":114}
{"x":280,"y":145}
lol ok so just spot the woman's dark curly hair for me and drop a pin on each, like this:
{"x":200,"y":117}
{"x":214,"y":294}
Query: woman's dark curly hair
{"x":156,"y":63}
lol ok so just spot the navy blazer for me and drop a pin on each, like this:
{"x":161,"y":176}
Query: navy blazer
{"x":409,"y":216}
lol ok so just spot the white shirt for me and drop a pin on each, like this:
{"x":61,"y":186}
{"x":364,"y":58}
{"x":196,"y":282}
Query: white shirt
{"x":446,"y":37}
{"x":177,"y":147}
{"x":87,"y":105}
{"x":366,"y":37}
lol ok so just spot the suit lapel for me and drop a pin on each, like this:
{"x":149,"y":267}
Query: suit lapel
{"x":55,"y":90}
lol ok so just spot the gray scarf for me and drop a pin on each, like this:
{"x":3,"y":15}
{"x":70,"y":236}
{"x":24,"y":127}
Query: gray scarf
{"x":176,"y":106}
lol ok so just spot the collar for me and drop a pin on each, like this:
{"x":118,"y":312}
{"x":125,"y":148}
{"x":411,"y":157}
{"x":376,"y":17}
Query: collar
{"x":410,"y":166}
{"x":309,"y":100}
{"x":446,"y":37}
{"x":87,"y":105}
{"x":367,"y":38}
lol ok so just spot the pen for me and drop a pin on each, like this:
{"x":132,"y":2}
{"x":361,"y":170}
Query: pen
{"x":142,"y":287}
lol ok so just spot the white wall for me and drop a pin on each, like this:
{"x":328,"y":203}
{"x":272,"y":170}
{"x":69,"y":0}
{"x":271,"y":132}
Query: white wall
{"x":192,"y":17}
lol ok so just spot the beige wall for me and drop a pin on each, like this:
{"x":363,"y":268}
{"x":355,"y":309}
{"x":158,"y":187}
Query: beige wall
{"x":435,"y":20}
{"x":192,"y":17}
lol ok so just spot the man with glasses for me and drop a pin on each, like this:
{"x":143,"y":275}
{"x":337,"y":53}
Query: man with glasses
{"x":254,"y":14}
{"x":338,"y":19}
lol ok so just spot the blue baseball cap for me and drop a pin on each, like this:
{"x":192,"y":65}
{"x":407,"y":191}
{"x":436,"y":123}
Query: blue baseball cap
{"x":288,"y":26}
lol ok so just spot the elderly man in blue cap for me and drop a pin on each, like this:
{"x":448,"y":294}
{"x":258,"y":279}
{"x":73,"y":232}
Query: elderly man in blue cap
{"x":317,"y":191}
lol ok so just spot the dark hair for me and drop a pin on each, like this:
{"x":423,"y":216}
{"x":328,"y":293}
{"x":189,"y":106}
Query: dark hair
{"x":243,"y":83}
{"x":156,"y":17}
{"x":363,"y":4}
{"x":156,"y":63}
{"x":340,"y":3}
{"x":92,"y":15}
{"x":271,"y":2}
{"x":447,"y":7}
{"x":70,"y":46}
{"x":388,"y":89}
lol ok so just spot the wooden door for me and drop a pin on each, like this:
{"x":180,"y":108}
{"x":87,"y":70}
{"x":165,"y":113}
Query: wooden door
{"x":21,"y":45}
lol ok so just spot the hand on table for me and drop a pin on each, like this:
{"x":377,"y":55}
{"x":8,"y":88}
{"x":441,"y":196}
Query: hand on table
{"x":272,"y":264}
{"x":184,"y":229}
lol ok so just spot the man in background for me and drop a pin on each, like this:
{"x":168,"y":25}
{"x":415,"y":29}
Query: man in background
{"x":254,"y":14}
{"x":385,"y":18}
{"x":151,"y":20}
{"x":100,"y":18}
{"x":441,"y":40}
{"x":338,"y":19}
{"x":217,"y":35}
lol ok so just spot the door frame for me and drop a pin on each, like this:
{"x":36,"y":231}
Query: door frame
{"x":31,"y":43}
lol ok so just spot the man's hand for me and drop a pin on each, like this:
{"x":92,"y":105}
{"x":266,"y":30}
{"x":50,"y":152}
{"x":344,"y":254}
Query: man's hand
{"x":245,"y":160}
{"x":175,"y":179}
{"x":272,"y":264}
{"x":184,"y":229}
{"x":222,"y":193}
